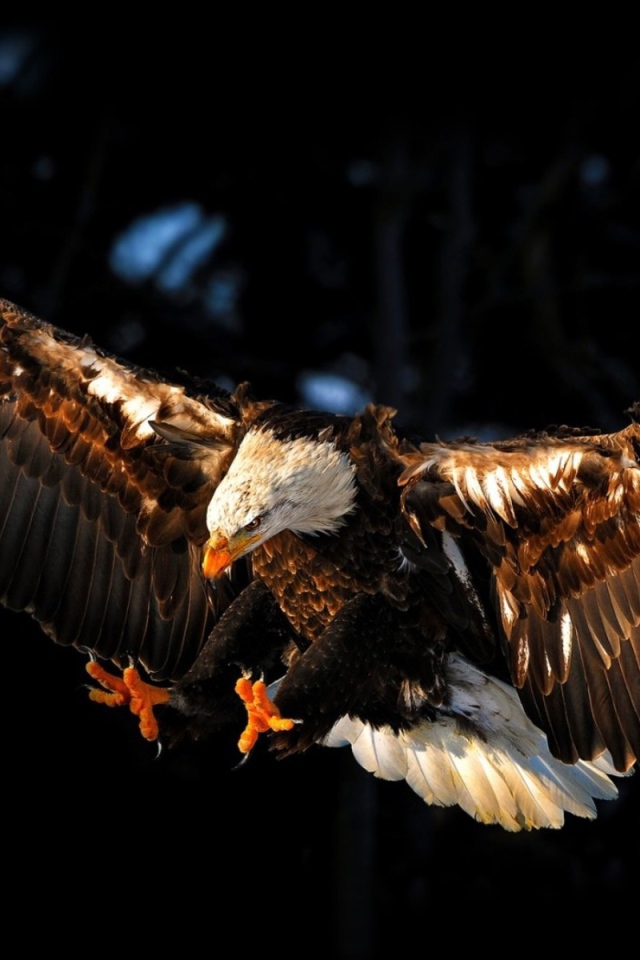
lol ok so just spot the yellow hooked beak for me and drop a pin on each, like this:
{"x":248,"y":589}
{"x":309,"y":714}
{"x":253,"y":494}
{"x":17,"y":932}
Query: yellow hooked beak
{"x":220,"y":552}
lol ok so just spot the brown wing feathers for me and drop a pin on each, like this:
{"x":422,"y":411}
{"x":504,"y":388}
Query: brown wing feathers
{"x":84,"y":486}
{"x":558,"y":518}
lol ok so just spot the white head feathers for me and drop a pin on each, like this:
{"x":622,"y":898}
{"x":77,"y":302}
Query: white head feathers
{"x":303,"y":485}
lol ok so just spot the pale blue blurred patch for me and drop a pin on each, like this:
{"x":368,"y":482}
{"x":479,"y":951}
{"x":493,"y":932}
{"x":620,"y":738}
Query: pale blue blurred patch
{"x":192,"y":254}
{"x":169,"y":245}
{"x":16,"y":46}
{"x":331,"y":392}
{"x":25,"y":59}
{"x":220,"y":298}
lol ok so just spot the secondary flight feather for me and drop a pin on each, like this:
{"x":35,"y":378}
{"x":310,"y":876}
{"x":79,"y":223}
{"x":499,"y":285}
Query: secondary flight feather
{"x":465,"y":615}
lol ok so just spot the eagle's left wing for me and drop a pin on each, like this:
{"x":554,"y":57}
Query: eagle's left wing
{"x":556,"y":517}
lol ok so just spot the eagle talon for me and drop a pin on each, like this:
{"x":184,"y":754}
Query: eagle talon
{"x":241,"y":762}
{"x":262,"y":712}
{"x":130,"y":690}
{"x":115,"y":692}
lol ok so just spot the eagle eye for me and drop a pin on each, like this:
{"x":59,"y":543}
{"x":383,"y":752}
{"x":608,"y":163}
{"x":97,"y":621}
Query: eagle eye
{"x":253,"y":524}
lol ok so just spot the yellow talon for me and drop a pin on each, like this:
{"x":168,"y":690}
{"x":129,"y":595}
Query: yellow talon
{"x":129,"y":690}
{"x":262,"y":712}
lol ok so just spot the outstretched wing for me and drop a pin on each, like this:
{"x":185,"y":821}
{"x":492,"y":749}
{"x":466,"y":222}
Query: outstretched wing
{"x":557,"y":518}
{"x":105,"y":474}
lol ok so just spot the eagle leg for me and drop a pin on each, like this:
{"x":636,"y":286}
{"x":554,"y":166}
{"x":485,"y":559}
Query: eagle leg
{"x":132,"y":691}
{"x":262,"y":712}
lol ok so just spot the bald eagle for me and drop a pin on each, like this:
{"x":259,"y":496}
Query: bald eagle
{"x":464,"y":615}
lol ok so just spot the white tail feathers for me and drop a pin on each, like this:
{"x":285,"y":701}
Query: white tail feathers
{"x":483,"y":754}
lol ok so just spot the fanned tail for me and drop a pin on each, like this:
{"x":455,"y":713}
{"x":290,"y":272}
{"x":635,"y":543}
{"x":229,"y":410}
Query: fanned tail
{"x":483,"y":754}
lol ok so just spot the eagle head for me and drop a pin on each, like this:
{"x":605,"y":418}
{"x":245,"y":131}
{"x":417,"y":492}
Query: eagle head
{"x":306,"y":485}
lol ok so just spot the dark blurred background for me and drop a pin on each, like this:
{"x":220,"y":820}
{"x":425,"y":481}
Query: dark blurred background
{"x":335,"y":215}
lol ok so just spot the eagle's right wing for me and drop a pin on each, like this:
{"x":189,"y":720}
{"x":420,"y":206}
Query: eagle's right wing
{"x":106,"y":471}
